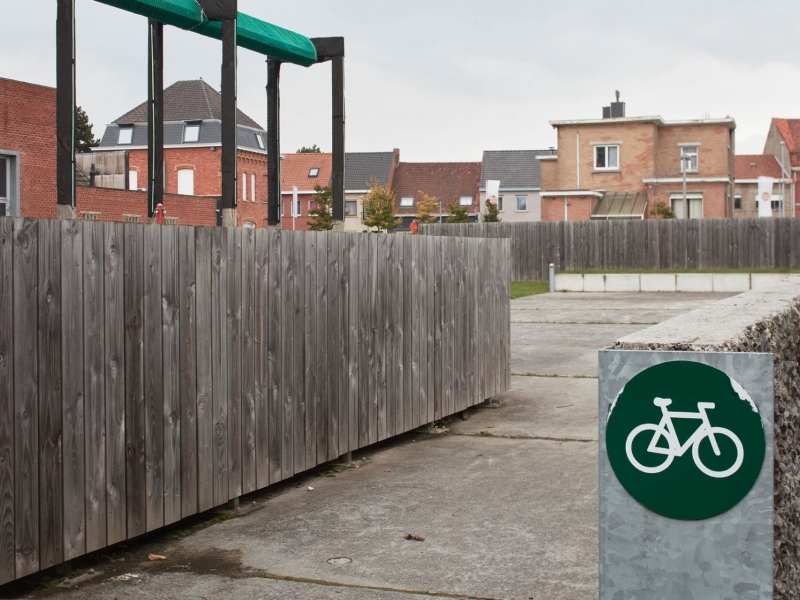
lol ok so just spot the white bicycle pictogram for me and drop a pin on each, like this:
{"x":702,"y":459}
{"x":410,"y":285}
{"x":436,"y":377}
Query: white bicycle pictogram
{"x":666,"y":429}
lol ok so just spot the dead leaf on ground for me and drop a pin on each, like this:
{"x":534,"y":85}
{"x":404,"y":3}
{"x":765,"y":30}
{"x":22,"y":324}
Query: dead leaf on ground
{"x":387,"y":470}
{"x":414,"y":536}
{"x":489,"y":426}
{"x":156,"y":557}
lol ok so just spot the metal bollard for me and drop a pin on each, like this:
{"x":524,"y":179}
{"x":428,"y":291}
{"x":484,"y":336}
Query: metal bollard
{"x":552,"y":277}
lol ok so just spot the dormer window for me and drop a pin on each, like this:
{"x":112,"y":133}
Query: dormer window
{"x":313,"y":172}
{"x":191,"y":132}
{"x":125,"y":135}
{"x":260,"y":141}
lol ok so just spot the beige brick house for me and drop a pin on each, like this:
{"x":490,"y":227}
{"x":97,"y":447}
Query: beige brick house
{"x":617,"y":167}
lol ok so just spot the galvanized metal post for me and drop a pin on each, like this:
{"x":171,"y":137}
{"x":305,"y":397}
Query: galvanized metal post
{"x":552,"y":277}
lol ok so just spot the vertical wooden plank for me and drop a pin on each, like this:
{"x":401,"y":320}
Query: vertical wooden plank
{"x":331,"y":329}
{"x":261,"y":327}
{"x":380,"y":327}
{"x":187,"y":364}
{"x":459,"y":308}
{"x":396,"y":385}
{"x":171,"y":371}
{"x":26,"y":413}
{"x":73,"y":441}
{"x":447,"y":326}
{"x":287,"y":360}
{"x":390,"y":338}
{"x":115,"y":378}
{"x":438,"y":316}
{"x":430,"y":315}
{"x":220,"y":256}
{"x":363,"y":339}
{"x":51,"y":483}
{"x":372,"y":337}
{"x":94,"y":386}
{"x":153,"y":379}
{"x":311,"y":354}
{"x":408,"y":333}
{"x":353,"y":345}
{"x":234,"y":349}
{"x":206,"y":325}
{"x":7,"y":542}
{"x":343,"y":352}
{"x":249,"y":353}
{"x":276,"y":312}
{"x":416,"y":332}
{"x":298,"y":352}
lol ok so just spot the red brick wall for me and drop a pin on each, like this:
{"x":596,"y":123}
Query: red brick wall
{"x":715,"y":197}
{"x":299,"y":223}
{"x":579,"y":209}
{"x":28,"y":126}
{"x":113,"y":204}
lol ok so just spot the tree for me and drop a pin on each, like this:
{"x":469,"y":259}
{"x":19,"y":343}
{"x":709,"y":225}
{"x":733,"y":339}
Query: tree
{"x":84,"y":136}
{"x":425,"y":208}
{"x":662,"y":210}
{"x":492,"y":214}
{"x":458,"y":214}
{"x":379,"y":209}
{"x":312,"y":150}
{"x":321,"y":217}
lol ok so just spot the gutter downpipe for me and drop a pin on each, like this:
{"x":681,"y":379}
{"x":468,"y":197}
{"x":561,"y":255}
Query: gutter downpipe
{"x":577,"y":172}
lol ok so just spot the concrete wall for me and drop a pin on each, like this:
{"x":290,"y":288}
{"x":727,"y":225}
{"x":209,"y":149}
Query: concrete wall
{"x":665,"y":282}
{"x":764,"y":320}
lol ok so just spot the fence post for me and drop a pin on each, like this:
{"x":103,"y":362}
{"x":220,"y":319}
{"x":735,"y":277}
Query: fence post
{"x":552,"y":277}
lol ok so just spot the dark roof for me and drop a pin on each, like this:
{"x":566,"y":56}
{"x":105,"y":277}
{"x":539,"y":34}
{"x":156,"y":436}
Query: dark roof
{"x":210,"y":133}
{"x":445,"y":181}
{"x":363,"y":168}
{"x":513,"y":168}
{"x":751,"y":166}
{"x":192,"y":100}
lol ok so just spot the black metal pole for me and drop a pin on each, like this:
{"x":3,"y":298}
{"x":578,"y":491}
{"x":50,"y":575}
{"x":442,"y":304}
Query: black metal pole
{"x":155,"y":116}
{"x":65,"y":107}
{"x":229,"y":150}
{"x":273,"y":142}
{"x":337,"y":136}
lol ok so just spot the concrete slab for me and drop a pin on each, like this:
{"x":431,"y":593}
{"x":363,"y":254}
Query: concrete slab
{"x":759,"y":280}
{"x":601,"y":315}
{"x":629,"y":302}
{"x":568,"y":282}
{"x":594,"y":282}
{"x":657,"y":282}
{"x":731,"y":282}
{"x":622,"y":282}
{"x":695,"y":282}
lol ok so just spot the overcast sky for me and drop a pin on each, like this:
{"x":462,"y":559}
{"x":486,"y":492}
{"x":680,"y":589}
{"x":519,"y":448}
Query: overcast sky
{"x":446,"y":79}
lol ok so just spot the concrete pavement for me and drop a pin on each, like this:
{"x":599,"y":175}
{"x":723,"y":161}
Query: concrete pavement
{"x":506,"y":501}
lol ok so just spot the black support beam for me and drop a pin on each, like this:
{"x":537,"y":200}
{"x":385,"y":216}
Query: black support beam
{"x":65,"y":102}
{"x":273,"y":142}
{"x":229,"y":149}
{"x":155,"y":116}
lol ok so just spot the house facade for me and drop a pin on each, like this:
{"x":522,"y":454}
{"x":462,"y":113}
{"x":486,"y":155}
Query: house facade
{"x":449,"y":182}
{"x":783,"y":143}
{"x":749,"y":167}
{"x":363,"y":170}
{"x":192,"y":149}
{"x":519,"y":174}
{"x":618,"y":167}
{"x":300,"y":174}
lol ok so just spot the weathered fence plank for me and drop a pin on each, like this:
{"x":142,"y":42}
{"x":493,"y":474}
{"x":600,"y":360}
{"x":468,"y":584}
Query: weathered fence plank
{"x":248,"y":357}
{"x":7,"y":520}
{"x":220,"y":253}
{"x":187,"y":364}
{"x":204,"y":329}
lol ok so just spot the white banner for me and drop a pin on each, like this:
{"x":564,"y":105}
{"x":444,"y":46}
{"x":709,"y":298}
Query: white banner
{"x":764,"y":197}
{"x":492,"y":190}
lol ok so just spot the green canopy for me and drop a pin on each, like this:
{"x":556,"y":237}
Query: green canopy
{"x":253,"y":34}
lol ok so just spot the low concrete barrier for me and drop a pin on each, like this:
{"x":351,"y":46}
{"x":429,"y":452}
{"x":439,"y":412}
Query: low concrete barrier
{"x":763,"y":320}
{"x":665,"y":282}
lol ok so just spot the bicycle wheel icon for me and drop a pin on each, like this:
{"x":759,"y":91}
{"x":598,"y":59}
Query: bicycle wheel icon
{"x":719,"y":432}
{"x":667,"y":453}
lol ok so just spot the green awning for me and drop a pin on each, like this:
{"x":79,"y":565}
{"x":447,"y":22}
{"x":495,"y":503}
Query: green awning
{"x":253,"y":34}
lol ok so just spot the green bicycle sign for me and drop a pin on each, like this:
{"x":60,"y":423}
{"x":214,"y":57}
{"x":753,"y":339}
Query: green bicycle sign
{"x":685,"y":440}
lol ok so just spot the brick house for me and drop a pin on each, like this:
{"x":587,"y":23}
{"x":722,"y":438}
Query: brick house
{"x":519,"y":174}
{"x":192,"y":149}
{"x":786,"y":131}
{"x":449,"y":182}
{"x":304,"y":172}
{"x":617,"y":167}
{"x":749,"y":167}
{"x":362,"y":171}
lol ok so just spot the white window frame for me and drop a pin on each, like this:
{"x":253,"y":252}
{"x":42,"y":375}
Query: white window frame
{"x":355,"y":208}
{"x":518,"y":209}
{"x":5,"y":194}
{"x":195,"y":128}
{"x":252,"y":187}
{"x":313,"y":172}
{"x":249,"y":225}
{"x":465,"y":200}
{"x":128,"y":139}
{"x":260,"y":141}
{"x":689,"y":197}
{"x":500,"y":202}
{"x":407,"y":201}
{"x":184,"y":192}
{"x":606,"y":147}
{"x":133,"y":179}
{"x":244,"y":186}
{"x":694,"y":158}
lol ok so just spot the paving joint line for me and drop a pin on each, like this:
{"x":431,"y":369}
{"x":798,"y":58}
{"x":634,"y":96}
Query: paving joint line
{"x":544,"y":438}
{"x":553,"y":376}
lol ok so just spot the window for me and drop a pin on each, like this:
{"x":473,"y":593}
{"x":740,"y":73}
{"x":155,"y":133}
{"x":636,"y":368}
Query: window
{"x":689,"y":158}
{"x":186,"y":182}
{"x":465,"y":200}
{"x":500,"y":203}
{"x":191,"y":132}
{"x":260,"y":141}
{"x":407,"y":201}
{"x":252,"y":187}
{"x":5,"y":192}
{"x":606,"y":158}
{"x":249,"y":225}
{"x":313,"y":172}
{"x":350,"y":208}
{"x":522,"y":204}
{"x":695,"y":207}
{"x":776,"y":202}
{"x":133,"y":180}
{"x":737,"y":202}
{"x":125,"y":135}
{"x":298,"y":209}
{"x":244,"y":187}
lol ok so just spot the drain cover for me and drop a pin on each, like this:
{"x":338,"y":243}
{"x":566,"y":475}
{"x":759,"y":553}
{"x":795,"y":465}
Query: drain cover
{"x":341,"y":560}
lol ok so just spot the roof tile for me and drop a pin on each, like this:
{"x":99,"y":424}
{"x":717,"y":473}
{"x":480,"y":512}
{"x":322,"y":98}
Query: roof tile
{"x":445,"y":181}
{"x":752,"y":166}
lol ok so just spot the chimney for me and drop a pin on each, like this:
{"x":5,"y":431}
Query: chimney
{"x":616,"y":110}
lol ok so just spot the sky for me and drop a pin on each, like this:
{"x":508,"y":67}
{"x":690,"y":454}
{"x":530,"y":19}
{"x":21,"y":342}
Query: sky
{"x":443,"y":80}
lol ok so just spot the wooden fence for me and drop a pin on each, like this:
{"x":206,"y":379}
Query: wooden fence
{"x":642,"y":245}
{"x":149,"y":373}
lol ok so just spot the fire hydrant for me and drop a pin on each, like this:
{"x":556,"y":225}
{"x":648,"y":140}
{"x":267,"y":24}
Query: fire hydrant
{"x":160,"y":214}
